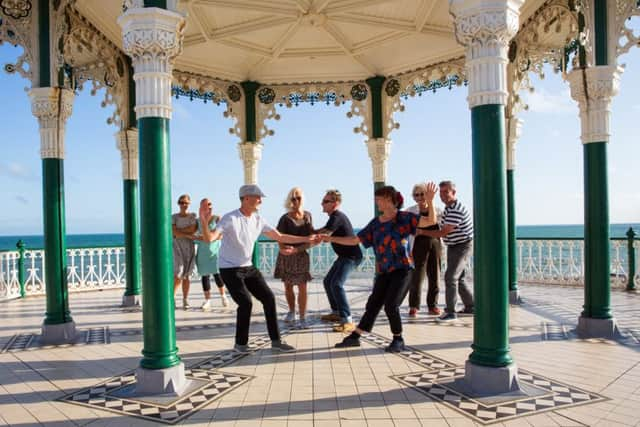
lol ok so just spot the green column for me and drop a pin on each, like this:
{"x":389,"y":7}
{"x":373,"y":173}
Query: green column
{"x":377,"y":129}
{"x":491,"y":323}
{"x":631,"y":260}
{"x":131,"y":236}
{"x":21,"y":270}
{"x":250,"y":88}
{"x":158,"y":319}
{"x":597,"y":258}
{"x":55,"y":253}
{"x":511,"y":232}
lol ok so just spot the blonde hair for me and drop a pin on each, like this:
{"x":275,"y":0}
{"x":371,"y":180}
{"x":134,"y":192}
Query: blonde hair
{"x":287,"y":202}
{"x":419,"y":186}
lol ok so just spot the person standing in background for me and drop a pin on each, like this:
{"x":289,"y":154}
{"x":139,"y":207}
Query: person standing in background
{"x":184,"y":225}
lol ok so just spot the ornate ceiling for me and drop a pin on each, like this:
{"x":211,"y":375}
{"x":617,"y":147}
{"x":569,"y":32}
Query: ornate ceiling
{"x":277,"y":41}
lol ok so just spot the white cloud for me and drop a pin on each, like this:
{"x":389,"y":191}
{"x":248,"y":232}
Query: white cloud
{"x":16,"y":170}
{"x":22,"y":200}
{"x":543,"y":101}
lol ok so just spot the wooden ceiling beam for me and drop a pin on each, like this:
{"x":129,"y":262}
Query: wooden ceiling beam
{"x":250,"y":26}
{"x":346,"y":46}
{"x":349,"y":5}
{"x":424,"y":12}
{"x":264,"y":6}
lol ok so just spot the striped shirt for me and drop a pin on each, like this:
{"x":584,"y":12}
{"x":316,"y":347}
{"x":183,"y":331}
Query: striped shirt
{"x":458,"y":216}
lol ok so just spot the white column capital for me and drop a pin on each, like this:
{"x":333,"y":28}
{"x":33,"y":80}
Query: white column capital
{"x":486,"y":27}
{"x":250,"y":154}
{"x":515,"y":130}
{"x":127,"y":143}
{"x":593,"y":89}
{"x":379,"y":150}
{"x":152,"y":37}
{"x":52,"y":106}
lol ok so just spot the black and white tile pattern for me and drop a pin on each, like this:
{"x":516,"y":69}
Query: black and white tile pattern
{"x":31,"y":341}
{"x":101,"y":396}
{"x":556,"y":395}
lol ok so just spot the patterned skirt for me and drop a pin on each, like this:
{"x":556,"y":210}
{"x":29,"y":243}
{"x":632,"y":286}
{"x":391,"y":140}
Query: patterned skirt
{"x":293,"y":268}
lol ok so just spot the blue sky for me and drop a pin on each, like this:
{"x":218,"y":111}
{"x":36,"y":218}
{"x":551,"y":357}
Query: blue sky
{"x":315,"y":147}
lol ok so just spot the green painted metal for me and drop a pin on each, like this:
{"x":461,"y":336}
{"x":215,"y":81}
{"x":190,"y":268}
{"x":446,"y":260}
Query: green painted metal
{"x":132,"y":236}
{"x":511,"y":232}
{"x":131,"y":116}
{"x":158,"y":317}
{"x":597,"y":258}
{"x":601,"y":49}
{"x":21,"y":271}
{"x":491,"y":287}
{"x":55,"y":254}
{"x":44,"y":54}
{"x":631,"y":260}
{"x":250,"y":89}
{"x":582,"y":53}
{"x":255,"y":255}
{"x":162,"y":4}
{"x":376,"y":185}
{"x":375,"y":84}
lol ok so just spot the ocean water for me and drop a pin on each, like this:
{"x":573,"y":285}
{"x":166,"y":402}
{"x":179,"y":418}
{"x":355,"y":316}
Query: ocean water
{"x":117,"y":239}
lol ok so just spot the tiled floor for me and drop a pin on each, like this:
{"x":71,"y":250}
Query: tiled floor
{"x":571,"y":382}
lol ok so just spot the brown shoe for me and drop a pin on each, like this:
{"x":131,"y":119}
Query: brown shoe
{"x":345,"y":328}
{"x":435,"y":311}
{"x":331,"y":317}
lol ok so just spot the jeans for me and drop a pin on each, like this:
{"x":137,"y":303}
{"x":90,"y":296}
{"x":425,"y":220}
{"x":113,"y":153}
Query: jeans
{"x":454,"y":278}
{"x":389,"y":290}
{"x":426,"y":256}
{"x":334,"y":286}
{"x":243,"y":282}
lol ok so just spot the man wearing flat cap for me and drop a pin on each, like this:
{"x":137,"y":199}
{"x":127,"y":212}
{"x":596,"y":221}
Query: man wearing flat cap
{"x":241,"y":228}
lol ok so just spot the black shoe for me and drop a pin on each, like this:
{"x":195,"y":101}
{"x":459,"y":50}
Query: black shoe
{"x":466,"y":310}
{"x":396,"y":346}
{"x":447,"y":317}
{"x":349,"y":341}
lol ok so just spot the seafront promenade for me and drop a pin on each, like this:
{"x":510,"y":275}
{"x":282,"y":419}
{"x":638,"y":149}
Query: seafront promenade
{"x":574,"y":382}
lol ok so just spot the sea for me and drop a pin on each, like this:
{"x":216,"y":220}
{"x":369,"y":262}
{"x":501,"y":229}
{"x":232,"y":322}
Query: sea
{"x":117,"y":239}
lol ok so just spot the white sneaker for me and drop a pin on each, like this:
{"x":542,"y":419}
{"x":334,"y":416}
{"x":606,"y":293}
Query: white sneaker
{"x":303,"y":324}
{"x":225,"y":300}
{"x":206,"y":306}
{"x":290,"y":317}
{"x":185,"y":304}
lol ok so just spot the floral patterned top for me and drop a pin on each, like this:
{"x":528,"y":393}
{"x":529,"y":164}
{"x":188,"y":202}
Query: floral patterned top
{"x":390,"y":241}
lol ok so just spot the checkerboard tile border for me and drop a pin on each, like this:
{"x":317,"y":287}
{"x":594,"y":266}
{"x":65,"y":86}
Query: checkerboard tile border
{"x":100,"y":396}
{"x":560,"y":395}
{"x":30,"y":342}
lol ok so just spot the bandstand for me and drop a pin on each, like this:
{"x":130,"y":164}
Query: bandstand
{"x":259,"y":57}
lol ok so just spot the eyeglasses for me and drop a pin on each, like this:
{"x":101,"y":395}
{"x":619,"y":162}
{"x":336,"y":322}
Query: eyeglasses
{"x":418,"y":194}
{"x":182,"y":202}
{"x":325,"y":201}
{"x":296,"y":199}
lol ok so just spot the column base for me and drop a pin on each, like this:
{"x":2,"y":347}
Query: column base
{"x":168,"y":381}
{"x":514,"y":297}
{"x":589,"y":327}
{"x":490,"y":380}
{"x":61,"y":333}
{"x":130,"y":300}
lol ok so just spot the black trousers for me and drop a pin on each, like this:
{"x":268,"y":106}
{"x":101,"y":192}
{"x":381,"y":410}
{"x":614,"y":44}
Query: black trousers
{"x":389,"y":290}
{"x":206,"y":282}
{"x":426,"y":256}
{"x":243,"y":283}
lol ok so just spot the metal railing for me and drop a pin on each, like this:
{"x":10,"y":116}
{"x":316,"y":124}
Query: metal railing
{"x":540,"y":260}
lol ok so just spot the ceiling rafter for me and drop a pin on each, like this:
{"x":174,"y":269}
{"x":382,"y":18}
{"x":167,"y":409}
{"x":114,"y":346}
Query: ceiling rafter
{"x":247,"y":47}
{"x":424,"y":13}
{"x":304,"y":5}
{"x":348,"y":5}
{"x":393,"y":24}
{"x":378,"y":41}
{"x":198,"y":17}
{"x":279,"y":46}
{"x":346,"y":45}
{"x":265,"y":6}
{"x":322,"y":6}
{"x":250,"y":26}
{"x":193,"y":40}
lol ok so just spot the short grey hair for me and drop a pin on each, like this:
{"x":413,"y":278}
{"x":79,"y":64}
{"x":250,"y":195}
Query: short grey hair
{"x":447,"y":183}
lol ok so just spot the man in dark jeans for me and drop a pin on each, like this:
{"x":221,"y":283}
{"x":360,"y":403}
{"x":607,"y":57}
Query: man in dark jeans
{"x":241,"y":228}
{"x":349,"y":257}
{"x":457,"y":233}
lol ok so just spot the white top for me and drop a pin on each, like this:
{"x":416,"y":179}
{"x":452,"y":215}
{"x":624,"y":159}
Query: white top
{"x":239,"y":234}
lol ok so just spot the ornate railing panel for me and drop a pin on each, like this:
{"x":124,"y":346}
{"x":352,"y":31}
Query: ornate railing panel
{"x":552,"y":261}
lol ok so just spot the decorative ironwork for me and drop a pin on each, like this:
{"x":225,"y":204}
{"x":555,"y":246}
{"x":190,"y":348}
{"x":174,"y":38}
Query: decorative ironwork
{"x":392,"y":87}
{"x":10,"y":68}
{"x":234,"y":93}
{"x":178,"y":91}
{"x":17,"y":9}
{"x":359,"y":92}
{"x":266,"y":95}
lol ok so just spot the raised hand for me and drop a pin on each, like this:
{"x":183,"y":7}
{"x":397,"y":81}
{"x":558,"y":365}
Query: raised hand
{"x":432,"y":189}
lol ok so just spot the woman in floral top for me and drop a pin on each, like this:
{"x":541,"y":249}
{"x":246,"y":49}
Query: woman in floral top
{"x":388,"y":235}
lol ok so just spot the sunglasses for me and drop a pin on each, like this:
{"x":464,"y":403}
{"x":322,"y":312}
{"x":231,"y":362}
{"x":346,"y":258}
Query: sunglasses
{"x":296,"y":199}
{"x":324,"y":202}
{"x":209,"y":204}
{"x":183,"y":203}
{"x":418,"y":194}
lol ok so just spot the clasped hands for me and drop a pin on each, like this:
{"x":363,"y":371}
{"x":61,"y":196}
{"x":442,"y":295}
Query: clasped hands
{"x":314,"y":239}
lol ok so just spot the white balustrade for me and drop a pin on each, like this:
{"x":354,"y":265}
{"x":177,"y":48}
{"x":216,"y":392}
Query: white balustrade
{"x":9,"y":284}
